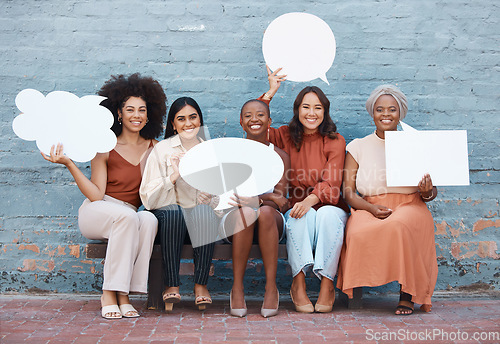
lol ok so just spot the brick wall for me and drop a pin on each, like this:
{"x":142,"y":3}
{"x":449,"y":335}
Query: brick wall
{"x":444,"y":55}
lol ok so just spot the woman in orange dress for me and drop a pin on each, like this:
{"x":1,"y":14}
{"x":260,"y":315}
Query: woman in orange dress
{"x":390,"y":233}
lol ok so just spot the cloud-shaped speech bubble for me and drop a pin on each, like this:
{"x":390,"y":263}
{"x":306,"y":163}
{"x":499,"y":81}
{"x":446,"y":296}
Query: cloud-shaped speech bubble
{"x":80,"y":124}
{"x":300,"y":43}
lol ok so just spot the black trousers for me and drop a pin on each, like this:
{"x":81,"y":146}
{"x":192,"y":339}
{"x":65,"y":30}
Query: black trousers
{"x":174,"y":222}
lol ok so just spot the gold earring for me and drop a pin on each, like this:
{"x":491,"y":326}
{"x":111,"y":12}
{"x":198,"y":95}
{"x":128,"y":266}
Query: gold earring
{"x":120,"y":120}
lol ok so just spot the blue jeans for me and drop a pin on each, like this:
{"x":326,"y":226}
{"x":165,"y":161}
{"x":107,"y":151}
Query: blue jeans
{"x":315,"y":240}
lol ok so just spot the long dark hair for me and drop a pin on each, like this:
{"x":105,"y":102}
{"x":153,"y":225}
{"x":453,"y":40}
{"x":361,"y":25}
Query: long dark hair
{"x":326,"y":128}
{"x":177,"y":106}
{"x":120,"y":88}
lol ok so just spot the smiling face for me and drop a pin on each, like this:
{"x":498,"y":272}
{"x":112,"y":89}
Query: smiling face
{"x":187,"y":122}
{"x":385,"y":114}
{"x":255,"y":120}
{"x":311,"y":113}
{"x":133,"y":114}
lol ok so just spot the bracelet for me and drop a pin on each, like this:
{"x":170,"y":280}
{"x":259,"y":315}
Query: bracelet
{"x":427,"y":198}
{"x":268,"y":96}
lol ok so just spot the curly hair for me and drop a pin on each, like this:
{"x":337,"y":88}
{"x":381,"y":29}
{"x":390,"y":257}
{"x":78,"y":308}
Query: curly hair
{"x":120,"y":88}
{"x":326,"y":128}
{"x":177,"y":106}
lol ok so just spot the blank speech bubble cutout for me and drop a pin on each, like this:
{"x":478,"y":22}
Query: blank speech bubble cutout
{"x":300,"y":43}
{"x":412,"y":153}
{"x":80,"y":124}
{"x":229,"y":165}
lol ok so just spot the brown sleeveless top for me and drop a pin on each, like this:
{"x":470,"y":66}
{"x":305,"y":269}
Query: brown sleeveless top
{"x":124,"y":179}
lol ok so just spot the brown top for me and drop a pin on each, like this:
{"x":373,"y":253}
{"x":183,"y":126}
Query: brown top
{"x":317,"y":168}
{"x":124,"y":179}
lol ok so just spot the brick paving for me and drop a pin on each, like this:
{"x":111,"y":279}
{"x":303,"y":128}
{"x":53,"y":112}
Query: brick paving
{"x":76,"y":319}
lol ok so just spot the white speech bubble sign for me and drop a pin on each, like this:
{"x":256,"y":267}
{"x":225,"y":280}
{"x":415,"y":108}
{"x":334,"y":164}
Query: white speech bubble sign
{"x":228,"y":165}
{"x":80,"y":124}
{"x":300,"y":43}
{"x":412,"y":153}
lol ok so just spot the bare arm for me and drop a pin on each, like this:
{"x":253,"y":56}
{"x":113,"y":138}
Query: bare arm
{"x":352,"y":197}
{"x":94,"y":188}
{"x":277,"y":199}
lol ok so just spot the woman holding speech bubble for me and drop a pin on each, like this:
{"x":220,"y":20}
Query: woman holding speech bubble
{"x":390,"y":234}
{"x":180,"y":208}
{"x":315,"y":223}
{"x":110,"y":210}
{"x":257,"y":219}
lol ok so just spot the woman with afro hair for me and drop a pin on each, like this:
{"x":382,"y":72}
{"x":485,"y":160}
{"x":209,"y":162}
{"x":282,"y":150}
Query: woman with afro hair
{"x":110,"y":211}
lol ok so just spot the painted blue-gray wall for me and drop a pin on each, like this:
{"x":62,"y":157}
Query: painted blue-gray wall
{"x":443,"y":54}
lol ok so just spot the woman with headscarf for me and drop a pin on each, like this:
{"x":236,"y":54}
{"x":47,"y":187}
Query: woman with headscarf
{"x":390,"y":233}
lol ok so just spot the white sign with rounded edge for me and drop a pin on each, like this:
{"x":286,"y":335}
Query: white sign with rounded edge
{"x":300,"y":43}
{"x":80,"y":124}
{"x":226,"y":166}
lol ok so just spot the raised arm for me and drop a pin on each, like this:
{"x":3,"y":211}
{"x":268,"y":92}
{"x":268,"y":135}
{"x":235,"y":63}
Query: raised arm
{"x":352,"y":197}
{"x":275,"y":81}
{"x":94,"y":188}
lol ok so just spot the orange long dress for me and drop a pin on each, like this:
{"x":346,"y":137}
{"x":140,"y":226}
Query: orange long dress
{"x":399,"y":248}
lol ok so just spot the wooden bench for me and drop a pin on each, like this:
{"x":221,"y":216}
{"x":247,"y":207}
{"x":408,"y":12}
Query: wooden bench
{"x":97,"y":249}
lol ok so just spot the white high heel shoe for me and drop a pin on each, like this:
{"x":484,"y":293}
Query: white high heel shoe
{"x":237,"y":312}
{"x":269,"y":312}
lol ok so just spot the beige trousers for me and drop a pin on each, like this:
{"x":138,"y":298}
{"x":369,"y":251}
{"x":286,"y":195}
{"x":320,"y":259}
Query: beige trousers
{"x":130,"y":236}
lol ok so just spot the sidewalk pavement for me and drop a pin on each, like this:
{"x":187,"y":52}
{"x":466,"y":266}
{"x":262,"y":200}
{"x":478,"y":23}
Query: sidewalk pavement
{"x":62,"y":318}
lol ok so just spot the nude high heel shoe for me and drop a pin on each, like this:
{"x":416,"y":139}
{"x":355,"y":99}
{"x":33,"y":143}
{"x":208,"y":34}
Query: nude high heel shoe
{"x":309,"y":308}
{"x":323,"y":308}
{"x":237,"y":312}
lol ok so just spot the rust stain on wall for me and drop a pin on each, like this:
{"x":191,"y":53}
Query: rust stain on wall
{"x":482,"y":249}
{"x":31,"y":247}
{"x":482,"y":224}
{"x":441,"y":228}
{"x":74,"y":250}
{"x":491,"y":214}
{"x":61,"y":250}
{"x":37,"y":264}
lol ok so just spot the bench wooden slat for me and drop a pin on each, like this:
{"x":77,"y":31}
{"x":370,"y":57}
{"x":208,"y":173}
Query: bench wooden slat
{"x":221,"y":251}
{"x":97,"y":249}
